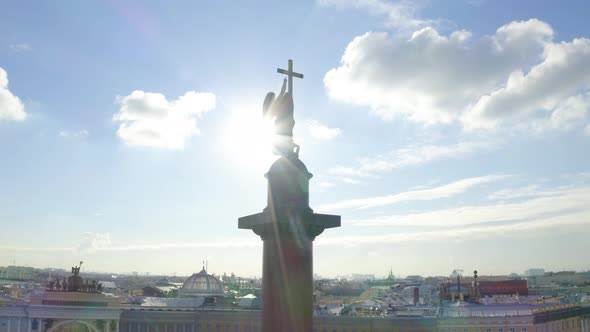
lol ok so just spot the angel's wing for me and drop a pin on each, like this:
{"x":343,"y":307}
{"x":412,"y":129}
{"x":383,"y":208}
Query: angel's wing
{"x":268,"y":101}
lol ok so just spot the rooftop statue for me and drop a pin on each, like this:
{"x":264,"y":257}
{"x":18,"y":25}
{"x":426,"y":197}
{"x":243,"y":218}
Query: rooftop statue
{"x":280,"y":110}
{"x":75,"y":282}
{"x":76,"y":269}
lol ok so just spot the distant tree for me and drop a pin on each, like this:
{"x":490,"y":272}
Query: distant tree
{"x":172,"y":294}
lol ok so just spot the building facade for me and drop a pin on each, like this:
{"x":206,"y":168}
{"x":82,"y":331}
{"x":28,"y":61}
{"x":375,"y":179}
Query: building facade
{"x":55,"y":312}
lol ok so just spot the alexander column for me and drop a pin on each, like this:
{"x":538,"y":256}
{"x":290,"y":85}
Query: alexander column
{"x":287,"y":225}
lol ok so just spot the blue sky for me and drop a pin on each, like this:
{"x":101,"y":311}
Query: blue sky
{"x":446,"y":134}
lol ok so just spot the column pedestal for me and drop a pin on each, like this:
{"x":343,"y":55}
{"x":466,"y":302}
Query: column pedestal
{"x":288,"y":227}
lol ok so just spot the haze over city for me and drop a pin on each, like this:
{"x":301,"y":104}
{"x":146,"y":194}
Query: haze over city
{"x":132,"y":137}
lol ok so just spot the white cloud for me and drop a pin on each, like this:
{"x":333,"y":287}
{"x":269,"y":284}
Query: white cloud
{"x":19,"y":47}
{"x":559,"y":202}
{"x":399,"y":14}
{"x":413,"y":155}
{"x":570,"y":112}
{"x":149,"y":119}
{"x":11,"y":108}
{"x":530,"y":191}
{"x":74,"y":134}
{"x":94,"y":241}
{"x":516,"y":74}
{"x":519,"y":229}
{"x":319,"y":131}
{"x":444,"y":191}
{"x":551,"y":86}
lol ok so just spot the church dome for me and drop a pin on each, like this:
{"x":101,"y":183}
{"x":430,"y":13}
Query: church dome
{"x":201,"y":284}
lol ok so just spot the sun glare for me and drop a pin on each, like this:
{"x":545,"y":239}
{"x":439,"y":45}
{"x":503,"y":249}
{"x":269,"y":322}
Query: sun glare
{"x":249,"y":138}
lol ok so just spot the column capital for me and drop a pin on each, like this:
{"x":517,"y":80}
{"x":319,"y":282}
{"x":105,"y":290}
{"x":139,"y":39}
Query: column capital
{"x":268,"y":225}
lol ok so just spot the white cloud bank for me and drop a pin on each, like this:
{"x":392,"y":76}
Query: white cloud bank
{"x":11,"y":108}
{"x":322,"y":132}
{"x":413,"y":155}
{"x":149,"y":119}
{"x":517,"y":75}
{"x":530,"y":228}
{"x":543,"y":205}
{"x":532,"y":211}
{"x":444,"y":191}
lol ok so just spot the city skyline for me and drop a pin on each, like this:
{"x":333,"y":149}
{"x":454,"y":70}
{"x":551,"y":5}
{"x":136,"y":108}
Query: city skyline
{"x":16,"y":272}
{"x":132,"y":136}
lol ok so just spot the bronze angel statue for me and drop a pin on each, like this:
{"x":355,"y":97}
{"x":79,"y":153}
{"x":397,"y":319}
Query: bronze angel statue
{"x":280,"y":110}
